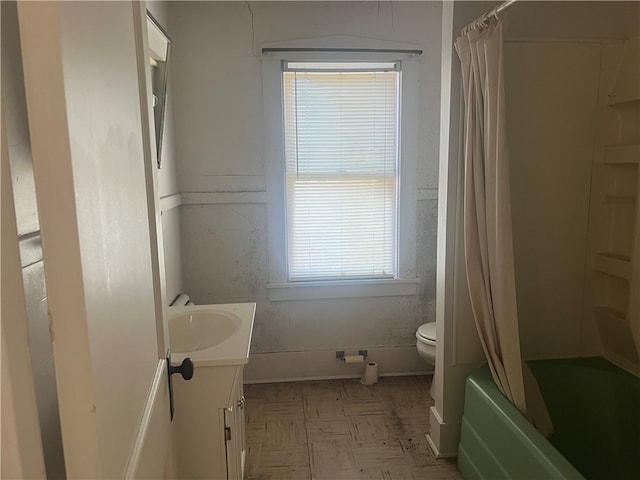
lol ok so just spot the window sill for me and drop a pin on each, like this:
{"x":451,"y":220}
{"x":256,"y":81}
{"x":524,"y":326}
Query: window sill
{"x":392,"y":287}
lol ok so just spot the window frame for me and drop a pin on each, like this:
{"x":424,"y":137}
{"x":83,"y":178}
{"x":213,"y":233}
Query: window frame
{"x":405,"y":281}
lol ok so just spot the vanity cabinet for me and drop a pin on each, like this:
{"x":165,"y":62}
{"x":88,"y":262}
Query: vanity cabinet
{"x":208,"y":426}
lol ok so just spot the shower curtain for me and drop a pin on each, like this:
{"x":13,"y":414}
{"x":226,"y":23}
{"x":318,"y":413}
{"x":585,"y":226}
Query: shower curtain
{"x":488,"y":244}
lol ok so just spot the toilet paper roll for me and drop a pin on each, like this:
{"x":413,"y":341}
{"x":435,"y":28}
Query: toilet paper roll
{"x":353,"y":359}
{"x":370,"y":374}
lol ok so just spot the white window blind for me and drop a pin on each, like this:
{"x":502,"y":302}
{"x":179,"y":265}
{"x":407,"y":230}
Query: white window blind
{"x":341,"y":148}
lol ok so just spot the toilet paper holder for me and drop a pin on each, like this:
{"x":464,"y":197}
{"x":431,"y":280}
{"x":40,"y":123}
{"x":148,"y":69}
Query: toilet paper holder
{"x":341,"y":356}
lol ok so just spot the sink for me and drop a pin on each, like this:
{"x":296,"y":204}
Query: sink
{"x":211,"y":335}
{"x":197,"y":330}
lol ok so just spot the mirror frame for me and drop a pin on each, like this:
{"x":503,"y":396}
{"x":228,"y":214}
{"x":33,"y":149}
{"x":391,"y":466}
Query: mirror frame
{"x":162,"y":98}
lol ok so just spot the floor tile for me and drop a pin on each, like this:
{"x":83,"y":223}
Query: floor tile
{"x":352,"y":388}
{"x":280,"y":459}
{"x":253,"y":410}
{"x":383,"y":452}
{"x":371,"y":427}
{"x":331,"y":457}
{"x":408,"y":472}
{"x":342,"y":430}
{"x":281,"y":392}
{"x":254,"y":432}
{"x":283,"y":432}
{"x":322,"y":388}
{"x":363,"y":406}
{"x":279,"y":410}
{"x":323,"y":408}
{"x":318,"y":430}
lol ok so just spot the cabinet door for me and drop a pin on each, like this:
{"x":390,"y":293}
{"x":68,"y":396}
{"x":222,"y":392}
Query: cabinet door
{"x":234,"y":430}
{"x":241,"y":427}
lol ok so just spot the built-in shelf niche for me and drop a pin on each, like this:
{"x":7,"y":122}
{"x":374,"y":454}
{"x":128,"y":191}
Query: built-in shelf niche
{"x":612,"y":293}
{"x":626,"y":87}
{"x":617,"y":209}
{"x":620,"y":179}
{"x":615,"y":236}
{"x":616,"y":334}
{"x":613,"y":276}
{"x":619,"y":200}
{"x":613,"y":264}
{"x":621,"y":155}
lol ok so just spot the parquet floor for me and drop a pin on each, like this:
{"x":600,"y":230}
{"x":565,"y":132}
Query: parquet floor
{"x":342,"y":430}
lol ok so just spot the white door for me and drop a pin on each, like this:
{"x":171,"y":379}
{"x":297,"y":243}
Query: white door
{"x":86,"y":89}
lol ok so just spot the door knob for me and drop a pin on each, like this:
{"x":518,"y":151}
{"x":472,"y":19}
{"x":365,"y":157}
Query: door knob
{"x":185,"y":369}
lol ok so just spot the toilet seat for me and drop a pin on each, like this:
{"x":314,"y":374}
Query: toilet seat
{"x":427,"y":333}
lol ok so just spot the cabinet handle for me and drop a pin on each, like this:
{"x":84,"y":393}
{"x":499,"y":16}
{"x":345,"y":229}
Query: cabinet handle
{"x":227,"y":433}
{"x":241,"y":402}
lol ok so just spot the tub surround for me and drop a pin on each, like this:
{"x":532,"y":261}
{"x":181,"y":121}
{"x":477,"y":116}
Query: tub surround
{"x":498,"y":442}
{"x":593,"y":393}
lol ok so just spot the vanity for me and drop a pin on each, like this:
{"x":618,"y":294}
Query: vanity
{"x":208,"y":426}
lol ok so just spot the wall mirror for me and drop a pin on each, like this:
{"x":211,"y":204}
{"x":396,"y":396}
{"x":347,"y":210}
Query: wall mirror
{"x":159,"y":48}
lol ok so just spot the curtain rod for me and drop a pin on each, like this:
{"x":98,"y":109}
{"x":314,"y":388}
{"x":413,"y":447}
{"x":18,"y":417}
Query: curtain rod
{"x":338,"y":50}
{"x":482,"y":19}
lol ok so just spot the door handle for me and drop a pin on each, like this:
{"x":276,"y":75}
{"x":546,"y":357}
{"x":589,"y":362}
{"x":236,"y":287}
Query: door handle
{"x":185,"y":369}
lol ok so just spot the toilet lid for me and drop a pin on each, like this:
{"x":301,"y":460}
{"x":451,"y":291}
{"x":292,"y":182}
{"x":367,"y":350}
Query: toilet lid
{"x":428,"y":331}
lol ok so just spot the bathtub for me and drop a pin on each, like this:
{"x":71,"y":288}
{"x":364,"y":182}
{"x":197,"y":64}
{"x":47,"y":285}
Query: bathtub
{"x":595,"y":409}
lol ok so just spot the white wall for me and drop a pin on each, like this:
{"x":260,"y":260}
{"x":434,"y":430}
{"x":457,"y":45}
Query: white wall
{"x":220,"y":145}
{"x":29,"y":241}
{"x":553,"y":83}
{"x":552,"y":93}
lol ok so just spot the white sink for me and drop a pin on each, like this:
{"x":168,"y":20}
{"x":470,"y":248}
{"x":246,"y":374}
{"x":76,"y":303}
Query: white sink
{"x":211,"y":335}
{"x":198,"y":330}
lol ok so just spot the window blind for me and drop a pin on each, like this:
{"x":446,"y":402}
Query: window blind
{"x":341,"y":137}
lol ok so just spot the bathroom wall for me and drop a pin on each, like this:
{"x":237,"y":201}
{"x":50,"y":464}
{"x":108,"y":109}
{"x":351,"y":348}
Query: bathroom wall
{"x":220,"y":146}
{"x":554,"y":83}
{"x":168,"y":174}
{"x":552,"y":93}
{"x":29,"y":242}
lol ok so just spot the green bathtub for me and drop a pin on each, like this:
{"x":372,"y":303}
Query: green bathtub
{"x":595,"y":409}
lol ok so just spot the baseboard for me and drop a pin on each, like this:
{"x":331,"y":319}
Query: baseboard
{"x":443,"y":438}
{"x":323,"y":365}
{"x":332,"y":377}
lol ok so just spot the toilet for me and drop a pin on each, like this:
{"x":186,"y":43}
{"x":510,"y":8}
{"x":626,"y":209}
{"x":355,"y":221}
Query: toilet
{"x":426,"y":345}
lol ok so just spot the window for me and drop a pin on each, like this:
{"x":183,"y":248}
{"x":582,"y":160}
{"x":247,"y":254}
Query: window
{"x":341,"y":140}
{"x":341,"y":125}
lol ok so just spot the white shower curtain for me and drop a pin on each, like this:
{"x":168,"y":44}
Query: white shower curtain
{"x":488,"y":241}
